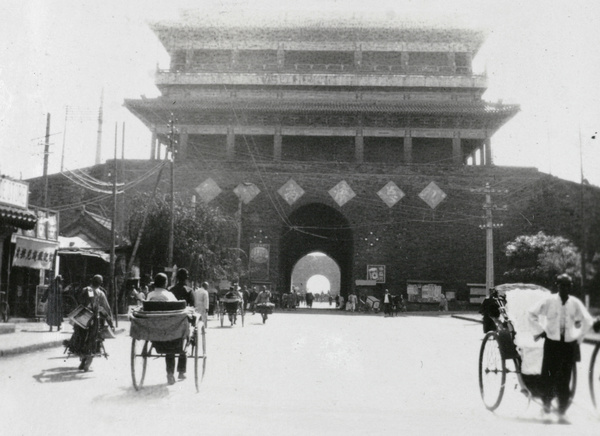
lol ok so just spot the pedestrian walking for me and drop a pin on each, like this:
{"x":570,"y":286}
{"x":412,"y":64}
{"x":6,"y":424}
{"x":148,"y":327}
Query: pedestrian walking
{"x":353,"y":300}
{"x":387,"y":303}
{"x":566,"y":323}
{"x":180,"y":290}
{"x":252,"y":298}
{"x":201,"y":302}
{"x":309,"y":299}
{"x":54,"y":307}
{"x":443,"y":307}
{"x":245,"y":297}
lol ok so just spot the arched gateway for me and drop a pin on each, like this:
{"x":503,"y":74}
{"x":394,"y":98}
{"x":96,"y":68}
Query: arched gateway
{"x":317,"y":227}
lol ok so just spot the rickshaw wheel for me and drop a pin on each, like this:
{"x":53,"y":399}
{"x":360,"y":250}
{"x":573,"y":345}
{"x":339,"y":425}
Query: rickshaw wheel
{"x":195,"y":348}
{"x":203,"y":352}
{"x":492,"y":371}
{"x":595,"y":377}
{"x":139,"y":360}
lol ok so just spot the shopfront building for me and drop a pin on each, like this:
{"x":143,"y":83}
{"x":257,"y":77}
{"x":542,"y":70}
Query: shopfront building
{"x":15,"y":216}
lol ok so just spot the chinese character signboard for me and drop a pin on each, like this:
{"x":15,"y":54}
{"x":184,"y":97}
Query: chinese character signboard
{"x":14,"y":193}
{"x":33,"y":253}
{"x":259,"y":261}
{"x":376,"y":272}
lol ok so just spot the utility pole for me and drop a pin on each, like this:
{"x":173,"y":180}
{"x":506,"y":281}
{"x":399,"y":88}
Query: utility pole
{"x":113,"y":235}
{"x":489,"y":227}
{"x":99,"y":135}
{"x":172,"y":200}
{"x":62,"y":156}
{"x":46,"y":153}
{"x":583,"y":227}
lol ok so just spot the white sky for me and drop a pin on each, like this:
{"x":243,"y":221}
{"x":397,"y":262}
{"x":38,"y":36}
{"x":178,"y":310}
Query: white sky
{"x":542,"y":54}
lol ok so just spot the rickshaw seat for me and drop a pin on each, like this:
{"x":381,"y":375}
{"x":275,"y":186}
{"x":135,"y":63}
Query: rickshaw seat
{"x":161,"y":306}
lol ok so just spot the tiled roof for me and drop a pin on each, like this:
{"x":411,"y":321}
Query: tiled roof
{"x":155,"y":108}
{"x":22,"y":218}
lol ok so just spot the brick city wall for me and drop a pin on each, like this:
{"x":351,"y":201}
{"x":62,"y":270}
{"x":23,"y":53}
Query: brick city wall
{"x":412,"y":240}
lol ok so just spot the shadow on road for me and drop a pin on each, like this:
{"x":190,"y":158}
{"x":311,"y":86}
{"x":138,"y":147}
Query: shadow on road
{"x":129,"y":395}
{"x":61,"y":374}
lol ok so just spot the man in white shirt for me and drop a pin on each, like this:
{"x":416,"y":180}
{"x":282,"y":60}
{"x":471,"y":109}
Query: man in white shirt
{"x":566,"y":323}
{"x":201,"y":302}
{"x":160,"y":292}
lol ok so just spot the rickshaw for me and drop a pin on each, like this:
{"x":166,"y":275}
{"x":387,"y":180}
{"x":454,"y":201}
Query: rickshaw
{"x":511,"y":348}
{"x":231,"y":307}
{"x":162,"y":328}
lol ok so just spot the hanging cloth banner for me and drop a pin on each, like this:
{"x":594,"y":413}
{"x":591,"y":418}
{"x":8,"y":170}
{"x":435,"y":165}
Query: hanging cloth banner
{"x":259,"y":261}
{"x":33,"y":253}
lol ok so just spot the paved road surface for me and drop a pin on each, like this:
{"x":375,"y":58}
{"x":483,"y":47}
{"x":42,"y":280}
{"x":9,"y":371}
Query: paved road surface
{"x":299,"y":374}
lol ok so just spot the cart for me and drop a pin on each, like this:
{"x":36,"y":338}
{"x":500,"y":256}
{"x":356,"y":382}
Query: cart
{"x":232,"y":307}
{"x":265,"y":309}
{"x":510,"y":350}
{"x":370,"y":304}
{"x":161,"y":328}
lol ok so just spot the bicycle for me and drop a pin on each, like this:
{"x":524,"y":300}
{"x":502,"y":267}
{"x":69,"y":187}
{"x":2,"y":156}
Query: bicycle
{"x":4,"y":307}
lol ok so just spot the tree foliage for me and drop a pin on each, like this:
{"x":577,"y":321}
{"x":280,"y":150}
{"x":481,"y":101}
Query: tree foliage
{"x":203,"y":237}
{"x":540,"y":258}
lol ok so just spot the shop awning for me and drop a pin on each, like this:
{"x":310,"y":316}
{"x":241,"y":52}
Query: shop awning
{"x":21,"y":218}
{"x":76,"y":246}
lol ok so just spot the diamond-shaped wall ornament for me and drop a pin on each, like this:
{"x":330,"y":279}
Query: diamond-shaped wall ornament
{"x":246,"y":192}
{"x":390,"y":194}
{"x":291,"y":191}
{"x":208,"y":190}
{"x":432,"y":195}
{"x":342,"y":193}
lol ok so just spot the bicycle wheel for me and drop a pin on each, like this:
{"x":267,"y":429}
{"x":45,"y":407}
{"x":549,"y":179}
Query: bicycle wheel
{"x":595,"y":377}
{"x":492,"y":371}
{"x":139,"y":359}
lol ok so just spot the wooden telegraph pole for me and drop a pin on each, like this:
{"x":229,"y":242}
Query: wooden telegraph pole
{"x":172,"y":200}
{"x":113,"y":226}
{"x":46,"y":154}
{"x":489,"y":227}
